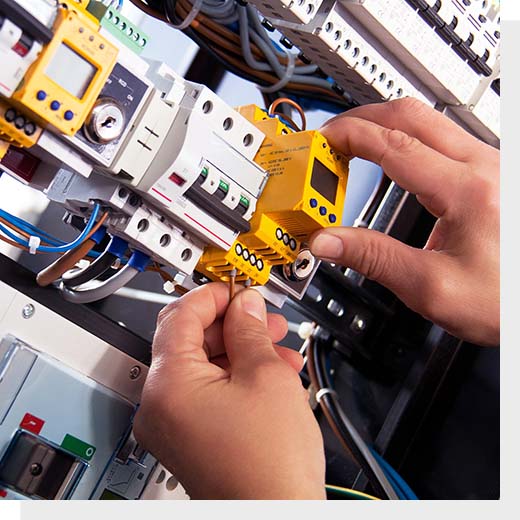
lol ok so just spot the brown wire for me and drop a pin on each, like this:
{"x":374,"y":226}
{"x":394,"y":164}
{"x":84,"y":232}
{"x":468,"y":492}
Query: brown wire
{"x":232,"y":278}
{"x":269,"y":78}
{"x":311,"y":370}
{"x":15,"y":244}
{"x":69,"y":259}
{"x":53,"y":271}
{"x":208,"y":28}
{"x":289,"y":119}
{"x":24,"y":234}
{"x":214,"y":27}
{"x":167,"y":277}
{"x":287,"y":101}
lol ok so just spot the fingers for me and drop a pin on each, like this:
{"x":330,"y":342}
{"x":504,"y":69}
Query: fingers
{"x":276,"y":326}
{"x":400,"y":268}
{"x":294,"y":358}
{"x":414,"y":166}
{"x":245,"y":332}
{"x":181,"y":325}
{"x":418,"y":120}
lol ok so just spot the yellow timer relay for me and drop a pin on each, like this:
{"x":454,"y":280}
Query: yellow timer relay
{"x":305,"y":192}
{"x":61,"y":87}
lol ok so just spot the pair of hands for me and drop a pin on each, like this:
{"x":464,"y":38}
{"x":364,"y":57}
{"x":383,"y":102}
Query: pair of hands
{"x":223,"y":406}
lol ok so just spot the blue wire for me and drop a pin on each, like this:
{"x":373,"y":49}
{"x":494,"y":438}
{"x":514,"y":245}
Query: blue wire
{"x":30,"y":228}
{"x":392,"y":475}
{"x":61,"y":248}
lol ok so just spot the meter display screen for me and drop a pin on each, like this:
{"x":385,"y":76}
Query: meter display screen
{"x":71,"y":71}
{"x":324,"y":181}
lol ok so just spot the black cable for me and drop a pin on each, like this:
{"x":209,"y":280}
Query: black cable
{"x":76,"y":277}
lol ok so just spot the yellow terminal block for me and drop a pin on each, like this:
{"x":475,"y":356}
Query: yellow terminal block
{"x":305,"y":192}
{"x":17,"y":129}
{"x":62,"y":85}
{"x":217,"y":264}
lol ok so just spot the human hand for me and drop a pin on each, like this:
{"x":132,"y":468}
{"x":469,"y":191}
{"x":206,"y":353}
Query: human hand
{"x":455,"y":280}
{"x":238,"y":426}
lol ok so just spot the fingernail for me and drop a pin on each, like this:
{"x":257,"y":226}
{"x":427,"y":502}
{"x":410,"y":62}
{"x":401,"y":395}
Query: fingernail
{"x":326,"y":246}
{"x":254,"y":304}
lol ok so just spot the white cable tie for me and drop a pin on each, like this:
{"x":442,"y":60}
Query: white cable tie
{"x":306,"y":329}
{"x":169,"y":287}
{"x":34,"y":244}
{"x":323,"y":391}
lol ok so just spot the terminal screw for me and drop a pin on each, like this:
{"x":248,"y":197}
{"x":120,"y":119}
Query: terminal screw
{"x":135,"y":372}
{"x":28,"y":311}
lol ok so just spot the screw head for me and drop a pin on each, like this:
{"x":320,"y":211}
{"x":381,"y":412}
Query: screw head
{"x":35,"y":469}
{"x":358,"y":324}
{"x":135,"y":372}
{"x":28,"y":311}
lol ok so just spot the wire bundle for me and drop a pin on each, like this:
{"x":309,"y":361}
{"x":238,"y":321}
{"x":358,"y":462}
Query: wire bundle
{"x":19,"y":233}
{"x":345,"y":431}
{"x":235,"y":36}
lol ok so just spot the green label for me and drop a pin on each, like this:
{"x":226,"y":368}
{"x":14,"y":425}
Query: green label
{"x":78,"y":447}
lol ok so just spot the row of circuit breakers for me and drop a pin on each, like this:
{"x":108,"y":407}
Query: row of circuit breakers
{"x":184,"y":181}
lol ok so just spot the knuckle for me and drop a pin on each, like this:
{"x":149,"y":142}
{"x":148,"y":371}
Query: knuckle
{"x":252,"y":336}
{"x":372,"y":263}
{"x":484,"y":191}
{"x":166,"y":312}
{"x":409,"y":107}
{"x":398,"y":141}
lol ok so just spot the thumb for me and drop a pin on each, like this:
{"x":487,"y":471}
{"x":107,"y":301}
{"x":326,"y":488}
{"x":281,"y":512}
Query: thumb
{"x":245,"y":332}
{"x":397,"y":266}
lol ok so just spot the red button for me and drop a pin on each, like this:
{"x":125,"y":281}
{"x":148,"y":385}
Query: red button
{"x":32,"y":424}
{"x":3,"y":493}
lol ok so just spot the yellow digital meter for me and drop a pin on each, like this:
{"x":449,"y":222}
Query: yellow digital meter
{"x":305,"y":192}
{"x":61,"y":87}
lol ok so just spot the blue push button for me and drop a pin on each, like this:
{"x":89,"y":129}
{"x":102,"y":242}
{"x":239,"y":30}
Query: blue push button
{"x":41,"y":95}
{"x":68,"y":115}
{"x":332,"y":218}
{"x":313,"y":203}
{"x":323,"y":210}
{"x":55,"y":105}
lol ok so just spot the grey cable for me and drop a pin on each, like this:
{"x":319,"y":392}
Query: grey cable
{"x":76,"y":277}
{"x":108,"y":287}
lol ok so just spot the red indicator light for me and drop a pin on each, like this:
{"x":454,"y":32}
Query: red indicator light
{"x":177,"y":179}
{"x":20,"y":49}
{"x":3,"y":493}
{"x":32,"y":424}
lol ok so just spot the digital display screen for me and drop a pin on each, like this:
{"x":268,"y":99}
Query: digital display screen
{"x":70,"y":71}
{"x":110,"y":495}
{"x":324,"y":181}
